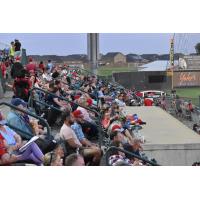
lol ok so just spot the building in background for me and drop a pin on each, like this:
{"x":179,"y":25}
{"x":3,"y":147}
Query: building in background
{"x":190,"y":62}
{"x":114,"y":59}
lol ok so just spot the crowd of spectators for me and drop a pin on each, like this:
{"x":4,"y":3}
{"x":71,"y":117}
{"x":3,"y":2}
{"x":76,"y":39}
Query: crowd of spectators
{"x":185,"y":109}
{"x":88,"y":114}
{"x":83,"y":110}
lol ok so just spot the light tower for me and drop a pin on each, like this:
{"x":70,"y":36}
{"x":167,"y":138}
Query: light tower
{"x":93,"y":50}
{"x":171,"y":59}
{"x":172,"y":52}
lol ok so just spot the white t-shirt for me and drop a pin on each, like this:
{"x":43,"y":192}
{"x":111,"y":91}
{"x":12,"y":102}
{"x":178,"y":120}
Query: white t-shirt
{"x":46,"y":77}
{"x":100,"y":94}
{"x":67,"y":133}
{"x":120,"y":103}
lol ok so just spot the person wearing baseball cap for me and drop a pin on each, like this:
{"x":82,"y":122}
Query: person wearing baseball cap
{"x":118,"y":128}
{"x":89,"y":149}
{"x":31,"y":67}
{"x":19,"y":119}
{"x":120,"y":140}
{"x":17,"y":59}
{"x":117,"y":136}
{"x":17,"y":102}
{"x":89,"y":102}
{"x":89,"y":125}
{"x":127,"y":137}
{"x":78,"y":114}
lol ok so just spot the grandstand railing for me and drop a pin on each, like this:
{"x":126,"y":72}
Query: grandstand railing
{"x":88,"y":72}
{"x":195,"y":115}
{"x":100,"y":131}
{"x":64,"y":99}
{"x":30,"y":114}
{"x":107,"y":155}
{"x":76,"y":88}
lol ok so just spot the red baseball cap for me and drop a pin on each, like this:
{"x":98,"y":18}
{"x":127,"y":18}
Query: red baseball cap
{"x":77,"y":96}
{"x":77,"y":114}
{"x":17,"y":58}
{"x":89,"y":101}
{"x":117,"y":128}
{"x":30,"y":59}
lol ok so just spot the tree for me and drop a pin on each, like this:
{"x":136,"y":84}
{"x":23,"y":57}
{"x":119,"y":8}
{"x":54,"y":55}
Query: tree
{"x":197,"y":48}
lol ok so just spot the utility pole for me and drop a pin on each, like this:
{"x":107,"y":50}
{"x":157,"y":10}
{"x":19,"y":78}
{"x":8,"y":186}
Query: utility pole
{"x":172,"y":52}
{"x":93,"y":50}
{"x":172,"y":59}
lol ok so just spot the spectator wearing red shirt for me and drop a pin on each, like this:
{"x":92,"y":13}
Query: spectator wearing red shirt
{"x":21,"y":86}
{"x":31,"y":67}
{"x":139,"y":94}
{"x":190,"y":106}
{"x":148,"y":102}
{"x":3,"y":69}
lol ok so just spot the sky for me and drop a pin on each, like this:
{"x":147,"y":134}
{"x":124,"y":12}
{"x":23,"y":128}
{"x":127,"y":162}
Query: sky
{"x":76,"y":43}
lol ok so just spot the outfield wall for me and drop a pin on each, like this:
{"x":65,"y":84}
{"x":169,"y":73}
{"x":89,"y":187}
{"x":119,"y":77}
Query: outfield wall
{"x":144,"y":80}
{"x":158,"y":80}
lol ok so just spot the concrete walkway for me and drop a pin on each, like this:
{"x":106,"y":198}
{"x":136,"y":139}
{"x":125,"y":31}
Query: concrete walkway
{"x":163,"y":128}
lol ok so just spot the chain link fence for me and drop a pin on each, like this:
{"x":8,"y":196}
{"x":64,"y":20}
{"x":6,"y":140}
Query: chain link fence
{"x":187,"y":117}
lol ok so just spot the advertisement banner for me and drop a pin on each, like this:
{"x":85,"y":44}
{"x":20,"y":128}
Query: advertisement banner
{"x":183,"y":79}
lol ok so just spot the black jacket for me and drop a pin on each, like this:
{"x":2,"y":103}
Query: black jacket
{"x":16,"y":70}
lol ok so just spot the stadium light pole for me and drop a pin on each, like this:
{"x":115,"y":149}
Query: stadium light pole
{"x":172,"y":59}
{"x":93,"y":51}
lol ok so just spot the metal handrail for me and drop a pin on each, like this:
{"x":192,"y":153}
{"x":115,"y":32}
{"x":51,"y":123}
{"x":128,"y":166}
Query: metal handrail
{"x":129,"y":153}
{"x":69,"y":101}
{"x":114,"y":82}
{"x":44,"y":104}
{"x":76,"y":88}
{"x":64,"y":99}
{"x":30,"y":114}
{"x":21,"y":131}
{"x":76,"y":67}
{"x":98,"y":100}
{"x":59,"y":79}
{"x":49,"y":106}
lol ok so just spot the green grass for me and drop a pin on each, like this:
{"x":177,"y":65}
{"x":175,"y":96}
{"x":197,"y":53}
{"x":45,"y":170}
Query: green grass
{"x":189,"y":94}
{"x":107,"y":71}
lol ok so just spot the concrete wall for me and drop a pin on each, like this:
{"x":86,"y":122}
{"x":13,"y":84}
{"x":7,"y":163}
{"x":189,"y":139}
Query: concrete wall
{"x":174,"y":154}
{"x":140,"y":80}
